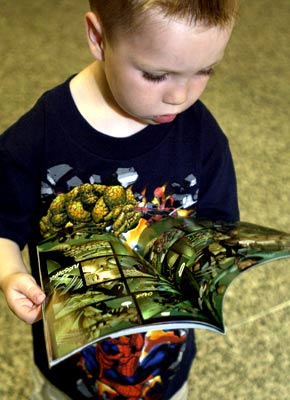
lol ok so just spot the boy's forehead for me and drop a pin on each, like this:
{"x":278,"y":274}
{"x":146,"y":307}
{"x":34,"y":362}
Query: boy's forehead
{"x":158,"y":31}
{"x":173,"y":45}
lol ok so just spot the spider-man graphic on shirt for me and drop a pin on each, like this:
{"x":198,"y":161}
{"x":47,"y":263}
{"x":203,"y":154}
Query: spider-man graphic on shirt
{"x":131,"y":367}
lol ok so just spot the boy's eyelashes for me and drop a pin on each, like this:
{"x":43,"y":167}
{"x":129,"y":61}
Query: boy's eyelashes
{"x":159,"y":78}
{"x":153,"y":78}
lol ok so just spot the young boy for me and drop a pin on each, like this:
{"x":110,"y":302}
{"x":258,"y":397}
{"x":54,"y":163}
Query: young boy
{"x":131,"y":118}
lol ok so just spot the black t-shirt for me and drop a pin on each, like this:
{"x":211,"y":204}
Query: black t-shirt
{"x":53,"y":149}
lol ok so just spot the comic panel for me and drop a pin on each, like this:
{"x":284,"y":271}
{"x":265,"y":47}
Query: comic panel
{"x":100,"y":269}
{"x":134,"y":267}
{"x":160,"y":306}
{"x":87,"y":317}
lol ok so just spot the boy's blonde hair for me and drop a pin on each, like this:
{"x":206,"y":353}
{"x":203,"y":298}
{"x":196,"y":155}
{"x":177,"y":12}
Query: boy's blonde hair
{"x":123,"y":16}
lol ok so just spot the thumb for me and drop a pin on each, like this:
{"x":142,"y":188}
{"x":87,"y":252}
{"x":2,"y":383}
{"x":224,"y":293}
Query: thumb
{"x":28,"y":286}
{"x":24,"y":297}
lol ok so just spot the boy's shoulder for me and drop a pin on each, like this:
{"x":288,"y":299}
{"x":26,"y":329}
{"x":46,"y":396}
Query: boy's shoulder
{"x":57,"y":93}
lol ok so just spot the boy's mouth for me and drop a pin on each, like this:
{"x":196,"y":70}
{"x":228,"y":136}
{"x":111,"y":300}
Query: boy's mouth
{"x":162,"y":119}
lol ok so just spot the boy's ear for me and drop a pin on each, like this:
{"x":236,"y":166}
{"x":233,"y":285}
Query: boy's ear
{"x":95,"y":36}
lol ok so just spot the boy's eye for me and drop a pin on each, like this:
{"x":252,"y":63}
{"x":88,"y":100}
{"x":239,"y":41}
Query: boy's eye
{"x":153,"y":78}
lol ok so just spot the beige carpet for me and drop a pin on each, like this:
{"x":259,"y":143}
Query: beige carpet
{"x":43,"y":42}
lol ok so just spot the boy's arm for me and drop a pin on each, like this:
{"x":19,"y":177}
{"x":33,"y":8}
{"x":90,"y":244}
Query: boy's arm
{"x":24,"y":297}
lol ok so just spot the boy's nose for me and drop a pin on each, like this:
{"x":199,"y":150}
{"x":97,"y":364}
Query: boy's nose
{"x":176,"y":95}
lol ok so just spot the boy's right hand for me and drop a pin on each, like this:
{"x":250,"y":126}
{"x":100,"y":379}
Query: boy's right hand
{"x":24,"y":297}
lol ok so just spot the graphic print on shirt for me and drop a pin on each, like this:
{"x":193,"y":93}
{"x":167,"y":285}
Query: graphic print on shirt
{"x":139,"y":366}
{"x":116,"y":208}
{"x":132,"y":367}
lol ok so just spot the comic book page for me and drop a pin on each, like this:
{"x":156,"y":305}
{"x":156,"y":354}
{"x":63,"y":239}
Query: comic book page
{"x":202,"y":258}
{"x":96,"y":287}
{"x":174,"y":272}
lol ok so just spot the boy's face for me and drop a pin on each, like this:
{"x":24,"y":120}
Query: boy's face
{"x":163,"y":69}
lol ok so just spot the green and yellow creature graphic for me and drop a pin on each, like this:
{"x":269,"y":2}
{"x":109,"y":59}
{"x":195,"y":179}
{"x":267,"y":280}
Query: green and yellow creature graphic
{"x":106,"y":207}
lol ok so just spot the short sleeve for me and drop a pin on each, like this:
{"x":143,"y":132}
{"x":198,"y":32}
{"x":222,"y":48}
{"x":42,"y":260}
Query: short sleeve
{"x":20,"y":169}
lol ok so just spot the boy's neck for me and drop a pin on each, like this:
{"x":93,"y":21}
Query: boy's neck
{"x":91,"y":96}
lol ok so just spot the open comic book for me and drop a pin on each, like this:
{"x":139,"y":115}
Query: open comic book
{"x":171,"y":273}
